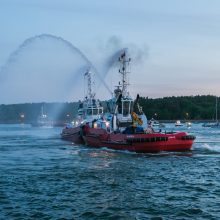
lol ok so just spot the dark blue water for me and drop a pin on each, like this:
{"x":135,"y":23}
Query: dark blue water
{"x":43,"y":177}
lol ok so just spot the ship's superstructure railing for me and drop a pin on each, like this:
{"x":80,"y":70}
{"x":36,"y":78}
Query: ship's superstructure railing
{"x":90,"y":108}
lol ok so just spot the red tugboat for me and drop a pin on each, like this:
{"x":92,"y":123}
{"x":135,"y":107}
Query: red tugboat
{"x":90,"y":109}
{"x":128,"y":128}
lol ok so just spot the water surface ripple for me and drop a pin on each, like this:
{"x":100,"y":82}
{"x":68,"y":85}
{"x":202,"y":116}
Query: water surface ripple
{"x":43,"y":177}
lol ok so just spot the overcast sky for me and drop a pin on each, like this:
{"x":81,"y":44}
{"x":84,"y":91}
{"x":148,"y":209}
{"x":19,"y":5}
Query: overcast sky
{"x":175,"y":43}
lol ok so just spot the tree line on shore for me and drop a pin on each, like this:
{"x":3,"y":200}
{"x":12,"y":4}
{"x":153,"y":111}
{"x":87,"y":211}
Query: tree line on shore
{"x":182,"y":107}
{"x":200,"y":107}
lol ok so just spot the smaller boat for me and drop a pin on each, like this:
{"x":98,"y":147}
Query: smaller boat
{"x":178,"y":123}
{"x":188,"y":124}
{"x":89,"y":110}
{"x":155,"y":124}
{"x":211,"y":124}
{"x":43,"y":120}
{"x":216,"y":123}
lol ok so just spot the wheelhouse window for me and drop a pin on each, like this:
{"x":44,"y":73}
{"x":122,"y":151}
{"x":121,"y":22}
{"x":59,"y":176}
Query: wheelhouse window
{"x":80,"y":112}
{"x":120,"y":107}
{"x":126,"y":107}
{"x":100,"y":111}
{"x":89,"y":112}
{"x":95,"y":111}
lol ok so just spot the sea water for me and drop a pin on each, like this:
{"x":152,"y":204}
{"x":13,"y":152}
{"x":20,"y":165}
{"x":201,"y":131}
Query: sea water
{"x":44,"y":177}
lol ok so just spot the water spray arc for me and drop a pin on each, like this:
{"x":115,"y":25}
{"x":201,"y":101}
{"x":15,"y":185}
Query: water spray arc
{"x":27,"y":42}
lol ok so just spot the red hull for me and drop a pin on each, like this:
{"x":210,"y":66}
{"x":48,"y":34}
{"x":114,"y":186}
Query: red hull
{"x":73,"y":135}
{"x":143,"y":143}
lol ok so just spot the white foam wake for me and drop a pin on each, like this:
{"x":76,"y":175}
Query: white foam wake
{"x":208,"y":147}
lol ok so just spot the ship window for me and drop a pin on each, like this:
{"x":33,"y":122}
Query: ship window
{"x":126,"y":108}
{"x":131,"y":106}
{"x":120,"y":108}
{"x":95,"y":111}
{"x":89,"y":111}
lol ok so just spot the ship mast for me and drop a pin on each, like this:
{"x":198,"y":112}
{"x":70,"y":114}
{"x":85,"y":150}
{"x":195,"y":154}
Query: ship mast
{"x":89,"y":95}
{"x":124,"y":63}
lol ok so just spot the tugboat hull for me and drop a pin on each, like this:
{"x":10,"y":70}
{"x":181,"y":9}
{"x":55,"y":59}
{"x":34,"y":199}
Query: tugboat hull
{"x":73,"y":135}
{"x":141,"y":143}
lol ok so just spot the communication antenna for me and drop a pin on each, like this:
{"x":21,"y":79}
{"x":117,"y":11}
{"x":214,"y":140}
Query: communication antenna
{"x":124,"y":63}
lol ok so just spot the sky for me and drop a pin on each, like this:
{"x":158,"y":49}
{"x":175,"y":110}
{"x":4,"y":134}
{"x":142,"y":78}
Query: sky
{"x":45,"y":46}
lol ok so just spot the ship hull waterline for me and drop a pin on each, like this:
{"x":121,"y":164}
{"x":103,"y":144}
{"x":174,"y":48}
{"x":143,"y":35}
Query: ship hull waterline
{"x":140,"y":143}
{"x":73,"y":134}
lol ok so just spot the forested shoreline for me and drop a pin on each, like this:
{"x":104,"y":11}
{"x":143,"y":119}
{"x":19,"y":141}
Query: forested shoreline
{"x":182,"y":107}
{"x":166,"y":109}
